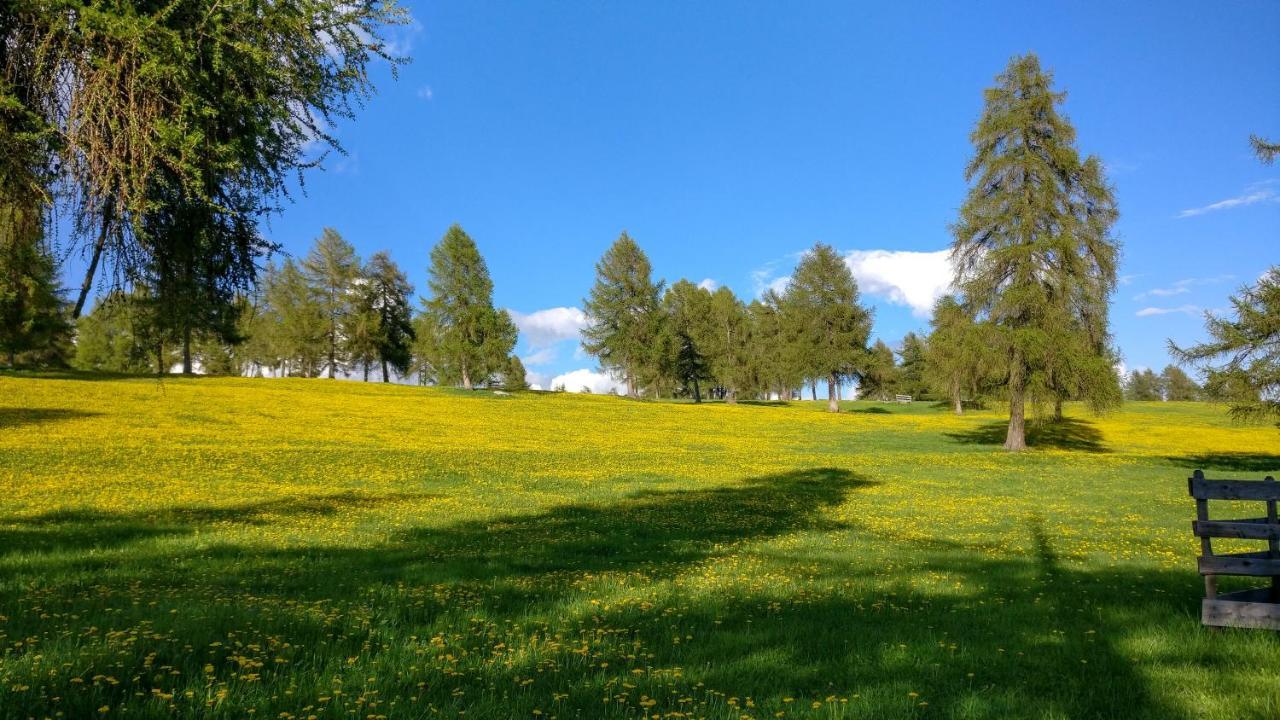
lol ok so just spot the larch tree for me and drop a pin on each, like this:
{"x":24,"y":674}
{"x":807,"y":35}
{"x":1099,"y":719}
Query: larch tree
{"x":514,"y":376}
{"x":832,"y":327}
{"x":332,"y":269}
{"x":879,"y":377}
{"x":624,"y":313}
{"x":473,"y":339}
{"x":686,"y":307}
{"x":1178,"y":386}
{"x":911,"y":366}
{"x":294,"y":320}
{"x":388,"y":292}
{"x":1032,"y":246}
{"x":724,"y":339}
{"x":773,"y":351}
{"x":955,"y":353}
{"x":1143,"y":386}
{"x":1241,"y":358}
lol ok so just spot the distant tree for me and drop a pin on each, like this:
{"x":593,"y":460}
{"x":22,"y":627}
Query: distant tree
{"x":387,"y":291}
{"x":362,"y":332}
{"x":1143,"y":385}
{"x":832,"y":328}
{"x":119,"y":335}
{"x":879,"y":377}
{"x":912,"y":367}
{"x":514,"y":376}
{"x":1267,"y":151}
{"x":1241,"y":359}
{"x":332,"y":268}
{"x":954,"y":359}
{"x":294,"y":322}
{"x":1177,"y":385}
{"x":624,"y":313}
{"x":687,"y":308}
{"x":33,"y":317}
{"x":473,"y":339}
{"x":1032,"y":248}
{"x":724,"y":339}
{"x":773,"y":347}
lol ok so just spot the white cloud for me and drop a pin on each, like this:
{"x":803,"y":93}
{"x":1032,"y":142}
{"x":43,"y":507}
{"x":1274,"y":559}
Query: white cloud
{"x":709,"y":285}
{"x":1253,"y":194}
{"x":1182,"y":286}
{"x":545,"y":356}
{"x":544,"y":328}
{"x":576,"y":380}
{"x":426,"y":93}
{"x":1153,"y":311}
{"x":903,"y":277}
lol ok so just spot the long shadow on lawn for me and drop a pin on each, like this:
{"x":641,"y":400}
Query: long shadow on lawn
{"x":1248,"y":462}
{"x":1064,"y":434}
{"x":12,"y":417}
{"x":1040,"y":639}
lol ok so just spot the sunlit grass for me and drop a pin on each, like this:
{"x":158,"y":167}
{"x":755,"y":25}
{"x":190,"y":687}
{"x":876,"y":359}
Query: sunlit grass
{"x":299,"y":548}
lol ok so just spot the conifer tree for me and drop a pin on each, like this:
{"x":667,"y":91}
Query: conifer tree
{"x":1032,"y":248}
{"x":1241,"y":359}
{"x":624,"y":313}
{"x":879,"y":377}
{"x":332,"y":269}
{"x":724,"y":339}
{"x":33,"y":319}
{"x":473,"y":340}
{"x":295,"y":321}
{"x":686,"y":307}
{"x":954,"y":355}
{"x":1178,"y":386}
{"x":388,"y":291}
{"x":911,"y":367}
{"x":1143,"y":385}
{"x":832,"y":328}
{"x":773,"y":351}
{"x":514,"y":375}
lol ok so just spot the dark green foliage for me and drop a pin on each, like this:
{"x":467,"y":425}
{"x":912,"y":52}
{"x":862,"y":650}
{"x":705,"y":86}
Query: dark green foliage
{"x":879,"y":377}
{"x":724,"y":339}
{"x":1143,"y":385}
{"x":912,"y":367}
{"x":1177,"y":385}
{"x":686,"y":308}
{"x":1266,"y":151}
{"x":1032,"y":248}
{"x":387,"y":292}
{"x":121,"y":335}
{"x":514,"y":375}
{"x":331,"y":270}
{"x":291,"y":326}
{"x":469,"y":340}
{"x":773,"y":353}
{"x":624,"y":311}
{"x":1241,"y":360}
{"x":831,"y":328}
{"x":34,"y":327}
{"x":955,"y":356}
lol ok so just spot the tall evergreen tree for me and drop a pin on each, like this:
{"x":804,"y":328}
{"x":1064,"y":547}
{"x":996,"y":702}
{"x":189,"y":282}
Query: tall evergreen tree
{"x":686,"y":307}
{"x":955,"y":353}
{"x":879,"y":377}
{"x":388,"y":292}
{"x":295,"y":321}
{"x":724,"y":339}
{"x":911,"y":367}
{"x":514,"y":375}
{"x":33,"y":319}
{"x":1241,"y":359}
{"x":473,"y":340}
{"x":1143,"y":386}
{"x":773,"y":351}
{"x":1032,"y":249}
{"x":624,"y":313}
{"x":331,"y":269}
{"x":832,"y":328}
{"x":1178,"y":386}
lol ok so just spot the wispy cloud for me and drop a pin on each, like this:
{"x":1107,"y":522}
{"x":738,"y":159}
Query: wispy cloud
{"x":1182,"y":286}
{"x":1191,"y":310}
{"x":544,"y":356}
{"x":1256,"y":193}
{"x":426,"y":93}
{"x":709,"y":285}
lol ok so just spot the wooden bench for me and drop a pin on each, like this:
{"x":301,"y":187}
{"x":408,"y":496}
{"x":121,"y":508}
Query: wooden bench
{"x":902,"y":398}
{"x":1254,"y":608}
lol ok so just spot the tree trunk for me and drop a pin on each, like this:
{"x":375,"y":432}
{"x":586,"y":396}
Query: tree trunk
{"x":108,"y":211}
{"x":385,"y":377}
{"x":959,"y":405}
{"x":697,"y":395}
{"x":731,"y":396}
{"x":813,"y":388}
{"x":955,"y":397}
{"x":186,"y":349}
{"x":833,"y":394}
{"x":1057,"y":410}
{"x":466,"y":378}
{"x":333,"y":349}
{"x":13,"y":361}
{"x":160,"y":368}
{"x":366,"y":371}
{"x":1016,"y":439}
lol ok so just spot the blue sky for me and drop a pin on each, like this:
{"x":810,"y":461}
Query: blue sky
{"x":726,"y":138}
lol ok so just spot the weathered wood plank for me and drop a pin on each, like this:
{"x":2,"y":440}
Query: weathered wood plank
{"x":1203,"y":489}
{"x":1243,"y":609}
{"x":1255,"y":563}
{"x":1249,"y":528}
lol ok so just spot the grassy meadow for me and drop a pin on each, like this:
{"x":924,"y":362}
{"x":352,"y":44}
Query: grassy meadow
{"x":236,"y":548}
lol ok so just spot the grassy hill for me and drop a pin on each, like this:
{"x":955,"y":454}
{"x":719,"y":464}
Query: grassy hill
{"x":307,"y":548}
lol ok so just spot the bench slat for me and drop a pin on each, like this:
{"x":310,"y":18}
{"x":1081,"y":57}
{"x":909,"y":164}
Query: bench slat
{"x":1203,"y":489}
{"x":1255,"y":564}
{"x":1244,"y":609}
{"x":1251,"y":528}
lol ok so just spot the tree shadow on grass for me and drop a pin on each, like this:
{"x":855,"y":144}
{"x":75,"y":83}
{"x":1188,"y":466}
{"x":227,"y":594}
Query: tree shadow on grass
{"x":1064,"y":434}
{"x":1250,"y":462}
{"x":663,"y":598}
{"x":13,"y":417}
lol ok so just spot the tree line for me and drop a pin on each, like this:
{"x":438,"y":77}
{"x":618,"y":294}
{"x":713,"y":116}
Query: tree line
{"x":166,"y":184}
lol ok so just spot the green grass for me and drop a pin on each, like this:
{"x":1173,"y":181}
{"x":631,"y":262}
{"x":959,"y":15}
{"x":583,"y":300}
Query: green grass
{"x":289,"y":549}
